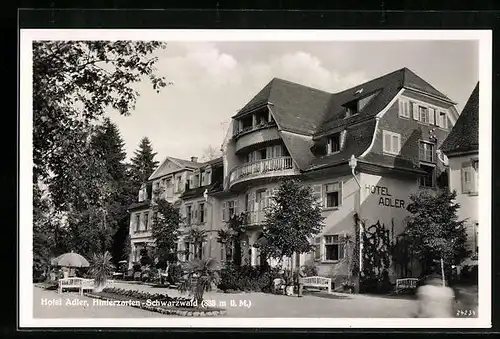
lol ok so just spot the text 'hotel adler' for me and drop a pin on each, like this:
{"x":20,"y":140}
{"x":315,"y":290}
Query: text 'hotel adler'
{"x":393,"y":126}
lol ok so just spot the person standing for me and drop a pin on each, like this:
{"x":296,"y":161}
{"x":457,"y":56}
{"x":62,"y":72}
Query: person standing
{"x":435,"y":300}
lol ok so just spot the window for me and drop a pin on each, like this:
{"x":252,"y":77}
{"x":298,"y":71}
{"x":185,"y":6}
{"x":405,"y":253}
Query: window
{"x":169,"y":188}
{"x":196,"y":181}
{"x":442,"y":120}
{"x":333,"y":144}
{"x":427,"y":180}
{"x":229,"y":208}
{"x":391,"y":142}
{"x":404,"y":108}
{"x":146,"y":221}
{"x":201,"y":208}
{"x":179,"y":183}
{"x":332,"y":195}
{"x":423,"y":114}
{"x":189,"y":214}
{"x":470,"y":177}
{"x":426,"y":151}
{"x":333,"y":248}
{"x":137,"y":222}
{"x":317,"y":248}
{"x":351,"y":108}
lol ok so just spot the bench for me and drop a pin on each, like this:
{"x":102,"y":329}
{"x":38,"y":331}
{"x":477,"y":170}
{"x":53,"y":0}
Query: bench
{"x":75,"y":283}
{"x":317,"y":282}
{"x":406,"y":283}
{"x":79,"y":283}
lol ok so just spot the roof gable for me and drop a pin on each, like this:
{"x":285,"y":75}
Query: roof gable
{"x":464,"y":136}
{"x":411,"y":80}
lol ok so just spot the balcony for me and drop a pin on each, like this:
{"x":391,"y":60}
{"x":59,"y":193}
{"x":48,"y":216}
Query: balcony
{"x":265,"y":168}
{"x":256,"y":135}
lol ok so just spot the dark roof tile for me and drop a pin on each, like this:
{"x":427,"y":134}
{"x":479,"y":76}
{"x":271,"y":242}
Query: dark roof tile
{"x":464,"y":137}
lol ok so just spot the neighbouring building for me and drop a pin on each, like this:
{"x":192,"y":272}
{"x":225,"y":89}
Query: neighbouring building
{"x":172,"y":177}
{"x":392,"y":126}
{"x":462,"y":150}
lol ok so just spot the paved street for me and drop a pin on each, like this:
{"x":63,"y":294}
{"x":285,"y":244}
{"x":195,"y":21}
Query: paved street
{"x":270,"y":305}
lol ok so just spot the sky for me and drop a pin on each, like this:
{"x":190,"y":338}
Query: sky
{"x":211,"y":81}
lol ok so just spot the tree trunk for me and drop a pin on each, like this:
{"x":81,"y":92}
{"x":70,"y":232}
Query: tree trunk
{"x":99,"y":286}
{"x":237,"y":252}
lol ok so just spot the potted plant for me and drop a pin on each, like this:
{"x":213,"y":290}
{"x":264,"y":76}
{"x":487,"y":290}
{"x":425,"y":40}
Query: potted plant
{"x":348,"y":286}
{"x":101,"y":268}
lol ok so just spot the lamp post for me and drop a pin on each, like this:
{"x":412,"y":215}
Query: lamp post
{"x":352,"y":164}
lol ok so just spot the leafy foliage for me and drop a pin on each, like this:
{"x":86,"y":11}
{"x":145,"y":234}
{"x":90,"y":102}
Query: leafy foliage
{"x":233,"y":235}
{"x":291,"y":220}
{"x":101,"y":268}
{"x":201,"y":274}
{"x":433,"y":230}
{"x":74,"y":82}
{"x":165,"y":226}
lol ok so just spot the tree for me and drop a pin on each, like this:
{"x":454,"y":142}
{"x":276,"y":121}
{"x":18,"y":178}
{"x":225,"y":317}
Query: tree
{"x":166,"y":222}
{"x":433,"y":231}
{"x":75,"y":82}
{"x":293,"y":218}
{"x":201,"y":275}
{"x":210,"y":153}
{"x":143,"y":163}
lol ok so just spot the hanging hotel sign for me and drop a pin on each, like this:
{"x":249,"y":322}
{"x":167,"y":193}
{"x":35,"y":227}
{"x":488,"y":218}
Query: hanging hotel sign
{"x":386,"y":198}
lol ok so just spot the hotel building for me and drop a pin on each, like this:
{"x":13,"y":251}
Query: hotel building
{"x":392,"y":126}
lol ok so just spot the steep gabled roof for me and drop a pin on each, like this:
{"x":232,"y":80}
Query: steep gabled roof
{"x":296,"y":108}
{"x":464,"y":137}
{"x":382,"y":90}
{"x":171,"y":165}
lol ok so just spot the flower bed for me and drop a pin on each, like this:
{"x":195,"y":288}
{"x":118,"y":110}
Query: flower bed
{"x":161,"y":303}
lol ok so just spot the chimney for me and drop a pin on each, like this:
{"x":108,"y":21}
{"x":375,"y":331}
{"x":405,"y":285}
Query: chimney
{"x":194,"y":159}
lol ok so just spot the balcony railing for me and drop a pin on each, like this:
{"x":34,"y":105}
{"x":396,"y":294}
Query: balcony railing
{"x":258,"y":126}
{"x":261,"y":167}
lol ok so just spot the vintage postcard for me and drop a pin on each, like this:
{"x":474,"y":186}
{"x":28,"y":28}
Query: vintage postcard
{"x":239,"y":178}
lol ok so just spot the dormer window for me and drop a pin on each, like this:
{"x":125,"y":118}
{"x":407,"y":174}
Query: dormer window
{"x":351,"y":108}
{"x":143,"y":194}
{"x":333,"y":145}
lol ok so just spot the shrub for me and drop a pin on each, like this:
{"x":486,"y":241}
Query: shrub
{"x":246,"y":278}
{"x":175,"y":273}
{"x":310,"y":270}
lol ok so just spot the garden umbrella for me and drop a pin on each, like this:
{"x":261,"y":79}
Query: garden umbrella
{"x":70,"y":259}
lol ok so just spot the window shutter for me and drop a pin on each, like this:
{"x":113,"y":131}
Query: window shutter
{"x":224,"y":211}
{"x":195,"y":215}
{"x":341,"y":248}
{"x":445,"y":120}
{"x":415,"y":111}
{"x":342,"y":139}
{"x":386,"y":141}
{"x":205,"y":213}
{"x":432,"y":115}
{"x":465,"y":174}
{"x":398,"y":145}
{"x":236,"y":210}
{"x":316,"y":192}
{"x":401,"y":107}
